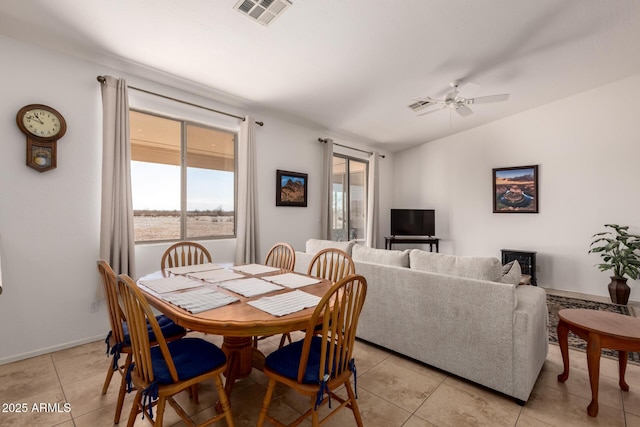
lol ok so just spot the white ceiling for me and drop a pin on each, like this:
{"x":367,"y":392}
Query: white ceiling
{"x":351,"y":67}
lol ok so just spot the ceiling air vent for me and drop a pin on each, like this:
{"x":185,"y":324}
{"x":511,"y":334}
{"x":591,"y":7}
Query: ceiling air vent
{"x":420,"y":105}
{"x":262,"y":11}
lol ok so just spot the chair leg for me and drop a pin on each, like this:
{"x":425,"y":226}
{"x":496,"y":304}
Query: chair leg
{"x":137,"y":403}
{"x":123,"y":389}
{"x":224,"y":401}
{"x":107,"y":380}
{"x":354,"y":404}
{"x":266,"y":402}
{"x":162,"y":402}
{"x":284,"y":336}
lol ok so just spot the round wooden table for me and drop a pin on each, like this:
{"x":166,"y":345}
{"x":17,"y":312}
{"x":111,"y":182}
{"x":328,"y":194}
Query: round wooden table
{"x":600,"y":329}
{"x":238,"y":323}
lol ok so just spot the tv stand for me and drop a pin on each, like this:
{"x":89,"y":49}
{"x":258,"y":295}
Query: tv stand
{"x":431,"y":241}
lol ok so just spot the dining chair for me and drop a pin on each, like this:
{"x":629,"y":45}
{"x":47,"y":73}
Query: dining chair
{"x":185,"y":253}
{"x":331,"y":264}
{"x":318,"y":365}
{"x":281,"y":255}
{"x":162,"y":371}
{"x":118,"y":340}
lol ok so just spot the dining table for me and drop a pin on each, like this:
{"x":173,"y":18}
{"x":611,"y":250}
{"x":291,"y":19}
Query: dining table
{"x":239,"y":321}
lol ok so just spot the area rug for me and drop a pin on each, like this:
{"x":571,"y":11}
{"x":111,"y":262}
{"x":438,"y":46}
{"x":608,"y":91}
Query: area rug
{"x":556,"y":303}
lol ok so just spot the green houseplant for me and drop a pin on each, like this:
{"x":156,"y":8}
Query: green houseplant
{"x":620,"y":252}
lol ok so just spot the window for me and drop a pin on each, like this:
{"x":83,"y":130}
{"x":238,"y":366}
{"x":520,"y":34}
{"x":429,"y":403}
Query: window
{"x":349,"y":198}
{"x":182,"y":179}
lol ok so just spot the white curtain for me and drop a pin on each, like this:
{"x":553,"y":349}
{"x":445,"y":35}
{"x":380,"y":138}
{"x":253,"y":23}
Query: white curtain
{"x":117,"y":244}
{"x":372,"y":201}
{"x":247,"y":209}
{"x":326,"y":217}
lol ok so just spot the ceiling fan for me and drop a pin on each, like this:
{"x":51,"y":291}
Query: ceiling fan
{"x":453,"y":101}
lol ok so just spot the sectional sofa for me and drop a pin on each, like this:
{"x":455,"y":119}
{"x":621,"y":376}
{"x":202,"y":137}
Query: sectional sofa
{"x":465,"y":315}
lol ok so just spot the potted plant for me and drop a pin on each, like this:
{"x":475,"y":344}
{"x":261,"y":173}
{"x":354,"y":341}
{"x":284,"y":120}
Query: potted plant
{"x":620,"y":252}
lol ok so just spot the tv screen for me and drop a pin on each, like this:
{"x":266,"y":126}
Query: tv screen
{"x":413,"y":222}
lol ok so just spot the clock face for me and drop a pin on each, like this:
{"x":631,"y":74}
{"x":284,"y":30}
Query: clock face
{"x":41,"y":123}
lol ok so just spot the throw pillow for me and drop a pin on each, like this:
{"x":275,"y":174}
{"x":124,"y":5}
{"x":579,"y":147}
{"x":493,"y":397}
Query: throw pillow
{"x":380,"y":256}
{"x":513,"y":275}
{"x":315,"y":245}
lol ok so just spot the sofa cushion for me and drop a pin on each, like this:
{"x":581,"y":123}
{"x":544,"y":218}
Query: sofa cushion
{"x":512,"y":273}
{"x":481,"y":268}
{"x":314,"y":245}
{"x":380,"y":256}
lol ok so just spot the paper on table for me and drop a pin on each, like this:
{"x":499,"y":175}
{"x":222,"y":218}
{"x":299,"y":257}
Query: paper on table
{"x":282,"y":304}
{"x":255,"y":268}
{"x":170,"y":284}
{"x":215,"y":276}
{"x":199,"y":300}
{"x":250,"y":287}
{"x":193,"y":268}
{"x":292,"y":280}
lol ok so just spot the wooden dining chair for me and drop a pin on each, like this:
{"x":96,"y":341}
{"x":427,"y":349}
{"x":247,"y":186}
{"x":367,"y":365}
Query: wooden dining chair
{"x":162,"y":371}
{"x":318,"y":365}
{"x":185,"y":253}
{"x":118,"y":340}
{"x":331,"y":264}
{"x":281,"y":255}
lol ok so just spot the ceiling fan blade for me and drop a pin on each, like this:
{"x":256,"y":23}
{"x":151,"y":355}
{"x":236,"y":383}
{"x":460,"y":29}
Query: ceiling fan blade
{"x":432,"y":111}
{"x":490,"y":98}
{"x":463,"y":110}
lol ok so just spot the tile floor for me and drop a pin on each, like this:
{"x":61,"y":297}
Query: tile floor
{"x":393,"y":391}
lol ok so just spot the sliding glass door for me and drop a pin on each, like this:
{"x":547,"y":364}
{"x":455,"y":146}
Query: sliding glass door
{"x":349,"y":198}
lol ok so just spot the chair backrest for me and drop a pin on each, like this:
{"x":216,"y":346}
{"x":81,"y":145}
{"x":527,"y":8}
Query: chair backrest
{"x":281,"y":255}
{"x":116,"y":316}
{"x":184,"y":253}
{"x":332,"y":264}
{"x":338,"y":313}
{"x":139,"y":315}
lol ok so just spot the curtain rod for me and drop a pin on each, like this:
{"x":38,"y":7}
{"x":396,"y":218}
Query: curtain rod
{"x":102,"y":79}
{"x":350,"y":148}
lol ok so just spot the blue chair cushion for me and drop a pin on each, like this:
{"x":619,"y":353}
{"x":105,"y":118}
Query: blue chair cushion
{"x":286,"y":361}
{"x":191,"y":356}
{"x":168,"y":328}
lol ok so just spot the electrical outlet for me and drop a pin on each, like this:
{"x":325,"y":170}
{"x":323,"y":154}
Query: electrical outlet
{"x":538,"y":268}
{"x":94,"y":307}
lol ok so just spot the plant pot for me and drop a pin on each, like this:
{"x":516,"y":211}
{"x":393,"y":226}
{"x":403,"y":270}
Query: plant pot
{"x":619,"y":290}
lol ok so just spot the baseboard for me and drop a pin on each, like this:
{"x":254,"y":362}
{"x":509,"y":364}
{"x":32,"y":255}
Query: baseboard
{"x":52,"y":349}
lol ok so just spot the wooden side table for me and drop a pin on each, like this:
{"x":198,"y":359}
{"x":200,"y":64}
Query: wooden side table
{"x":600,"y":329}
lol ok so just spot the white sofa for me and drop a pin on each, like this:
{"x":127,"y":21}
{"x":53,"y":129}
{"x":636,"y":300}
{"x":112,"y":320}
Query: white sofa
{"x":463,"y":315}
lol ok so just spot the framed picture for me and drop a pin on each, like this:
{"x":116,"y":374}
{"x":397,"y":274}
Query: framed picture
{"x":515,"y":190}
{"x":291,"y":188}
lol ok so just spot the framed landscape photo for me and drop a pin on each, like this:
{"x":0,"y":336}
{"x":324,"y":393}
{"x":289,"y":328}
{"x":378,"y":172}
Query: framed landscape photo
{"x":515,"y":189}
{"x":291,"y":188}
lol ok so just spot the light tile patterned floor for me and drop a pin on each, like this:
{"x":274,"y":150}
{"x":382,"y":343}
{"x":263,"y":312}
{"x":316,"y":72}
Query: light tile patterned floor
{"x":393,"y":391}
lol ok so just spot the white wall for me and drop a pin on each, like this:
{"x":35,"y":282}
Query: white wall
{"x":49,"y":222}
{"x":587,"y":147}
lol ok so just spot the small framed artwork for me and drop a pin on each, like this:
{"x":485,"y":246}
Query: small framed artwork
{"x":291,"y":188}
{"x":515,"y":189}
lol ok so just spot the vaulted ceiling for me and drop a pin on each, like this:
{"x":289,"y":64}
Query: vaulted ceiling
{"x":353,"y":67}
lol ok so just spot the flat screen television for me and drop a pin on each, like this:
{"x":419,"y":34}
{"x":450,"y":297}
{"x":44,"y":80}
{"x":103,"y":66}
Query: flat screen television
{"x":413,"y":222}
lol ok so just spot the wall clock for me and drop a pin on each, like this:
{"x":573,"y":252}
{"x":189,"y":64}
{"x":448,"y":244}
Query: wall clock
{"x":43,"y":126}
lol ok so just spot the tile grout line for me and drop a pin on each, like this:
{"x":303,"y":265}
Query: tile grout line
{"x":64,"y":394}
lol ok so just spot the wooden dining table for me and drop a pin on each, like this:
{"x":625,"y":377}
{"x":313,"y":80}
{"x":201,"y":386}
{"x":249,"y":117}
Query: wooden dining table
{"x":238,"y":322}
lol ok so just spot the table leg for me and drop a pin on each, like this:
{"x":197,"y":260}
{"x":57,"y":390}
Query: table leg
{"x":622,"y":364}
{"x":563,"y":341}
{"x":593,"y":362}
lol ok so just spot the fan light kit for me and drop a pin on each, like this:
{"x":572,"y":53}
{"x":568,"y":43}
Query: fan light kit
{"x":453,"y":101}
{"x":262,"y":11}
